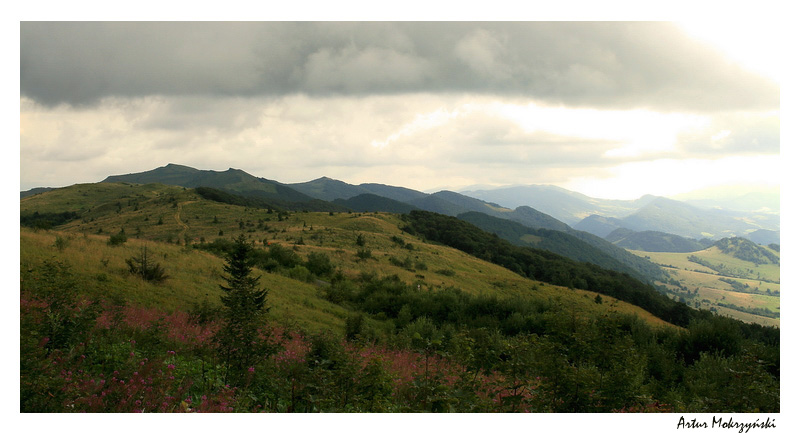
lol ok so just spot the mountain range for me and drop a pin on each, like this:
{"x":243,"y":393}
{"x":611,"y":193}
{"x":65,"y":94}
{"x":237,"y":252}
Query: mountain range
{"x":532,"y":206}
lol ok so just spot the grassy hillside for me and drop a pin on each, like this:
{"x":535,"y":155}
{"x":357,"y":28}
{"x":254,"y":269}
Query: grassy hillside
{"x":165,"y":218}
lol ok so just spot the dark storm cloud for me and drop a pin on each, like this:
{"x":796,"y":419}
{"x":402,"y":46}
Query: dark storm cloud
{"x":619,"y":65}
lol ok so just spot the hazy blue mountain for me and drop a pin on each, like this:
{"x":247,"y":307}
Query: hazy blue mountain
{"x":765,"y":237}
{"x":533,"y":218}
{"x":671,"y":216}
{"x":684,"y":220}
{"x":453,"y":204}
{"x":599,"y":225}
{"x":468,"y":203}
{"x":714,"y":212}
{"x":742,"y":198}
{"x":34,"y":191}
{"x":652,"y":241}
{"x":433,"y":203}
{"x":562,"y":204}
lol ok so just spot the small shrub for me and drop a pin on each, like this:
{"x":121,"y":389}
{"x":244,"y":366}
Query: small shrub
{"x":364,"y":253}
{"x":61,"y":243}
{"x":118,"y":239}
{"x":144,"y":268}
{"x":446,"y":272}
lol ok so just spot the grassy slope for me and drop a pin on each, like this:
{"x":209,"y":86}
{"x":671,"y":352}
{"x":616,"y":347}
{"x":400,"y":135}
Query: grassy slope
{"x":162,"y":217}
{"x":711,"y":290}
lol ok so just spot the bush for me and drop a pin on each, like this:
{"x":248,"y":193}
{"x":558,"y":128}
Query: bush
{"x":319,"y":264}
{"x":118,"y":239}
{"x":300,"y":273}
{"x":61,"y":243}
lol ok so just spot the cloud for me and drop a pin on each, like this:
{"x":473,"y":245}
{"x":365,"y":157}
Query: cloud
{"x":292,"y":138}
{"x":611,"y":65}
{"x":352,"y":70}
{"x":481,"y":51}
{"x":732,"y":134}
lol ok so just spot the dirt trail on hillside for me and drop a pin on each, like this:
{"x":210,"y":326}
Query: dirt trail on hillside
{"x":179,"y":220}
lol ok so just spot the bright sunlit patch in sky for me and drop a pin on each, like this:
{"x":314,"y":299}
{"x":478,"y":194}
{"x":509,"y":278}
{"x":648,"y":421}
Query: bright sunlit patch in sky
{"x":667,"y":177}
{"x":639,"y":132}
{"x":753,"y":43}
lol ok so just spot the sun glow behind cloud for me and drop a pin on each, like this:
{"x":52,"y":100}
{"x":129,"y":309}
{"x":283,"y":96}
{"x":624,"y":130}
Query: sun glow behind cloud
{"x":750,"y":41}
{"x":666,"y":177}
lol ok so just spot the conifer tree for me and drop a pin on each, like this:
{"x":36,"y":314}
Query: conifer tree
{"x":244,"y":306}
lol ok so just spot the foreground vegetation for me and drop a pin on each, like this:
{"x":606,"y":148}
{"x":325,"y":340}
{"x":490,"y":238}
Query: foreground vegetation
{"x":358,"y":316}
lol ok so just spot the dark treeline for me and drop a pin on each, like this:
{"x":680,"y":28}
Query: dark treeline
{"x":261,"y":200}
{"x":46,"y":220}
{"x":544,"y":265}
{"x":234,"y":199}
{"x":565,"y":244}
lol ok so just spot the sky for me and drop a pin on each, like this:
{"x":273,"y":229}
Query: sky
{"x":609,"y":109}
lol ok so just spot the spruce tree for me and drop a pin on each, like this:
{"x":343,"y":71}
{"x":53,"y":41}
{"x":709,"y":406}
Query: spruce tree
{"x":244,"y":306}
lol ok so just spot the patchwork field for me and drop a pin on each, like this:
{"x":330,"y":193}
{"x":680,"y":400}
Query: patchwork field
{"x":717,"y":281}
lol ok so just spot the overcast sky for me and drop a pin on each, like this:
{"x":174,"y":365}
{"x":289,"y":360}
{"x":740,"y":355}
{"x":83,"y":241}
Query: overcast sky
{"x":610,"y":109}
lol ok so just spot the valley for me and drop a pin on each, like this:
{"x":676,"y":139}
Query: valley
{"x":710,"y":279}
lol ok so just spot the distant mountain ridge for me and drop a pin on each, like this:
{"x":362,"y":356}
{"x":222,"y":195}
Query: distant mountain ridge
{"x":232,"y":181}
{"x":535,"y":206}
{"x":750,"y":216}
